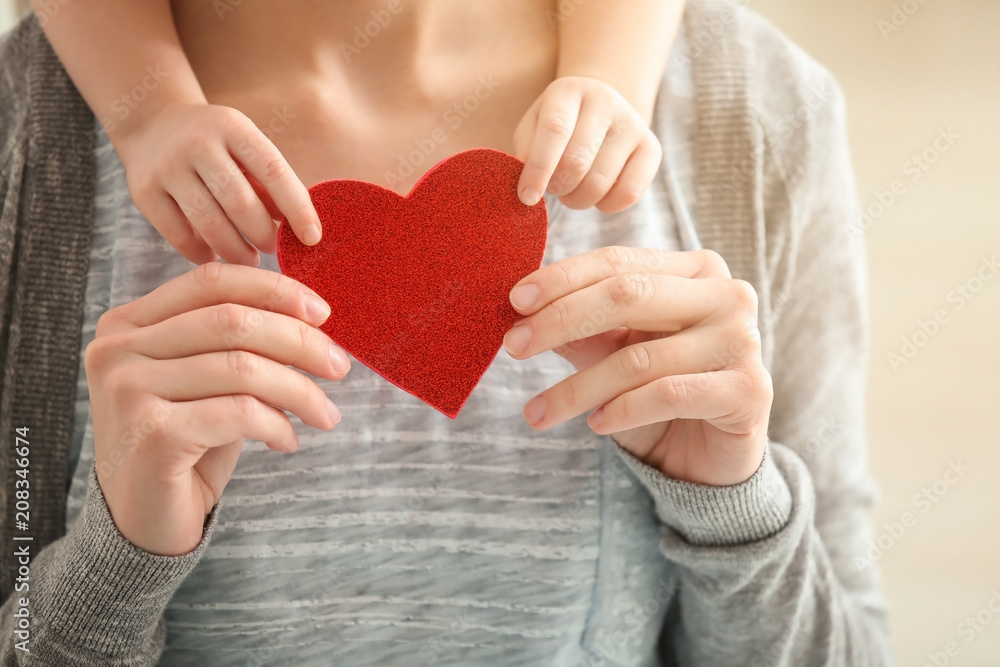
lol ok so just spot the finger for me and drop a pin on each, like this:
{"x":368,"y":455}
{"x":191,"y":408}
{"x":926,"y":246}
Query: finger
{"x":215,"y":283}
{"x":525,"y":130}
{"x":231,"y":326}
{"x":645,"y":302}
{"x":166,"y":218}
{"x":634,"y":179}
{"x":239,"y":201}
{"x":565,"y":276}
{"x":586,"y":144}
{"x":213,"y":225}
{"x":241,"y":372}
{"x":603,"y":174}
{"x":716,"y":397}
{"x":219,"y":420}
{"x":586,"y":352}
{"x":627,"y":369}
{"x":269,"y":168}
{"x":265,"y":197}
{"x":556,"y":121}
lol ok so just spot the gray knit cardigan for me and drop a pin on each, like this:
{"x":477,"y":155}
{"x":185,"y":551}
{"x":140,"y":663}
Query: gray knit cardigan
{"x":774,"y":196}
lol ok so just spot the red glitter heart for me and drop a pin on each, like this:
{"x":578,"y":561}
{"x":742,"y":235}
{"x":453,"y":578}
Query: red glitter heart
{"x":419,"y":285}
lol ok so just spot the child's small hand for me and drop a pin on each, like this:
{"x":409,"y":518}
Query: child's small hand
{"x":582,"y":141}
{"x":202,"y":174}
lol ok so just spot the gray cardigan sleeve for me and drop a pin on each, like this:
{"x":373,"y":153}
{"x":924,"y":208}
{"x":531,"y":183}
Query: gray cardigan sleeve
{"x":93,"y":598}
{"x":775,"y":571}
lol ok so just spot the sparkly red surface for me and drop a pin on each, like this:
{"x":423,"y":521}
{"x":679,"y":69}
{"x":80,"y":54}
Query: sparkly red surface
{"x":419,"y":285}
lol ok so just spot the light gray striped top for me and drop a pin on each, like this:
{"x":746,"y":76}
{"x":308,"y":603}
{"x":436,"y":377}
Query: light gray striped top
{"x":402,"y":537}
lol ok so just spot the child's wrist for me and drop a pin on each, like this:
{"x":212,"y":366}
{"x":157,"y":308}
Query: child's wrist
{"x":125,"y":128}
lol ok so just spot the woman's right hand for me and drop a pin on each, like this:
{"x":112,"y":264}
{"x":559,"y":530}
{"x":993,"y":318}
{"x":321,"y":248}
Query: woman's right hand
{"x":180,"y":377}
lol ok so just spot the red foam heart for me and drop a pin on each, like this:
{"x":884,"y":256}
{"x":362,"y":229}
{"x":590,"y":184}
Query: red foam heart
{"x":419,"y":285}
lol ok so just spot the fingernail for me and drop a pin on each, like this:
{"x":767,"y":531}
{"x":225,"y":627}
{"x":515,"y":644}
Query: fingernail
{"x":517,"y":339}
{"x":534,"y":411}
{"x":332,"y":410}
{"x":339,"y":360}
{"x":312,"y":235}
{"x":524,"y":297}
{"x":531,"y":196}
{"x":316,"y":308}
{"x":597,"y":418}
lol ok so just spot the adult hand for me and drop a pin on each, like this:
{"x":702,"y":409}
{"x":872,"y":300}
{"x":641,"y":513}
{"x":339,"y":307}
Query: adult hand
{"x":667,"y":351}
{"x":180,"y":377}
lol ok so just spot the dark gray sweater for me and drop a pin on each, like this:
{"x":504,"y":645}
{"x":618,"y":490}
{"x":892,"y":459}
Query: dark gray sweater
{"x":772,"y":571}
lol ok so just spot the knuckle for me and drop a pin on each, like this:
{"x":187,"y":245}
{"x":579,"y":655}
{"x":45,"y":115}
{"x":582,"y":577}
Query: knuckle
{"x":670,"y":391}
{"x":231,"y":318}
{"x":598,"y":182}
{"x":630,"y":191}
{"x":179,"y":236}
{"x":98,"y":355}
{"x":556,"y":125}
{"x":746,"y":381}
{"x":635,"y":360}
{"x":307,"y":340}
{"x":105,"y":323}
{"x":242,"y":363}
{"x":630,"y":289}
{"x":744,"y":295}
{"x":208,"y":274}
{"x":275,"y":169}
{"x":578,"y":161}
{"x":243,"y":201}
{"x":559,"y":314}
{"x":618,"y":258}
{"x":245,"y":406}
{"x":712,"y":263}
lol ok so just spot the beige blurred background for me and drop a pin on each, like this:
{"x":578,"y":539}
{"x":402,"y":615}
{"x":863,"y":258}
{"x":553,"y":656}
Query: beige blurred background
{"x":912,"y":70}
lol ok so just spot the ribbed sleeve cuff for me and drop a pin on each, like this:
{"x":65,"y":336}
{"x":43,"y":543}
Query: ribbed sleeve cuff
{"x":719,"y":515}
{"x":113,"y":593}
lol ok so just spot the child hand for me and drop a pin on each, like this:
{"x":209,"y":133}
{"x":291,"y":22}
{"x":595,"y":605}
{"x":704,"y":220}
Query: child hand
{"x":582,"y":141}
{"x":202,"y":174}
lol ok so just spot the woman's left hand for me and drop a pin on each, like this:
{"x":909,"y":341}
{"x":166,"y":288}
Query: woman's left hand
{"x":667,"y":354}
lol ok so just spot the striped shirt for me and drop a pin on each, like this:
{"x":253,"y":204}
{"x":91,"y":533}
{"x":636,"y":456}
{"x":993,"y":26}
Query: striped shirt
{"x":401,"y":537}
